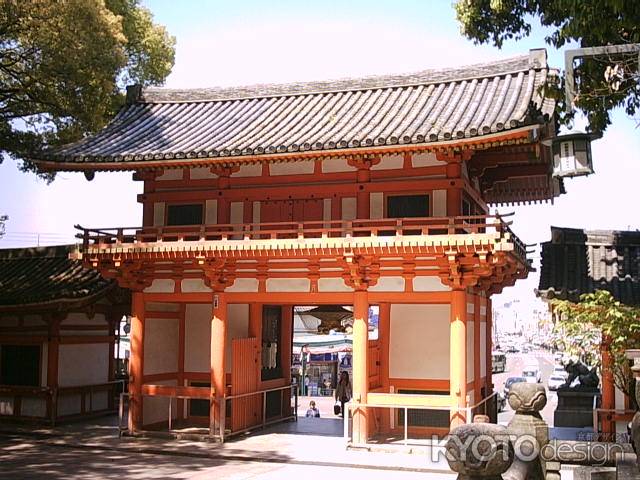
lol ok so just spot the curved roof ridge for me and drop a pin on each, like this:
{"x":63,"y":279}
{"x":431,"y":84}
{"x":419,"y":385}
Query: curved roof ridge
{"x":536,"y":59}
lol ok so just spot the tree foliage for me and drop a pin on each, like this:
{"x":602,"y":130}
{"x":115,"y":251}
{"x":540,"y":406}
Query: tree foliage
{"x":598,"y":316}
{"x":63,"y":65}
{"x":589,"y":24}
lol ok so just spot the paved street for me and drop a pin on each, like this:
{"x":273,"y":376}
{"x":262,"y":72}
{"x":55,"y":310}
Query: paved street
{"x":516,"y":362}
{"x":93,"y":449}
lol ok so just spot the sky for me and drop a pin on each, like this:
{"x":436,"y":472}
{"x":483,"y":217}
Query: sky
{"x":222,"y":43}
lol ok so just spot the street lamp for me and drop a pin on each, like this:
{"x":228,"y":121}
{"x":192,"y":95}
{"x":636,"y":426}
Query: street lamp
{"x":572,"y":153}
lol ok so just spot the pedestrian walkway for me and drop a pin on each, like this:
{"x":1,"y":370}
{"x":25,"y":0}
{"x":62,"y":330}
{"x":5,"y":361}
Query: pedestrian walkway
{"x":276,"y":444}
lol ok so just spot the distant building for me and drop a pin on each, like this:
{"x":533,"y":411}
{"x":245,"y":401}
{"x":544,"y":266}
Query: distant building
{"x":57,"y":336}
{"x":578,"y":261}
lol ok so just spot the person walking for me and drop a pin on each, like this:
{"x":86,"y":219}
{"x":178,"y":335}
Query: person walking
{"x":343,"y":391}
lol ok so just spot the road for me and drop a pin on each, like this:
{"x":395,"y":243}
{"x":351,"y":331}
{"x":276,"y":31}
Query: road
{"x":515,"y":364}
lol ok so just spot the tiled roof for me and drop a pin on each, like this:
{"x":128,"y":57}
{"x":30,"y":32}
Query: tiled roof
{"x":577,"y":261}
{"x":422,"y":108}
{"x":41,"y":275}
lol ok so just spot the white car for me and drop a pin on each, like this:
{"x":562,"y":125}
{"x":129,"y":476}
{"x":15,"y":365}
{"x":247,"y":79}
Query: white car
{"x":555,"y":381}
{"x":559,"y":371}
{"x":532,"y":374}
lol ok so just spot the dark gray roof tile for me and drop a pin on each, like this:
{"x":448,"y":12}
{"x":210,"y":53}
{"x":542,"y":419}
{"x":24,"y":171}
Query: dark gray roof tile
{"x":425,"y":107}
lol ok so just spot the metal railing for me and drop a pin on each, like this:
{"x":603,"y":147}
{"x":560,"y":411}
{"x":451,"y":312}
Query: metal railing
{"x":468,"y":411}
{"x":222,"y":432}
{"x":458,"y":225}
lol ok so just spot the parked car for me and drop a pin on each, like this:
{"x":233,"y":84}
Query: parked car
{"x":559,"y":371}
{"x":555,"y":382}
{"x":510,"y":381}
{"x":532,"y":374}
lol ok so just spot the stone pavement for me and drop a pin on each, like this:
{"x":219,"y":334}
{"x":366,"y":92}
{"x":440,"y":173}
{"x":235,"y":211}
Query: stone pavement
{"x":292,"y":446}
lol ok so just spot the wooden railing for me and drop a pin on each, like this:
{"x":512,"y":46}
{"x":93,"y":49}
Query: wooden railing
{"x":385,"y":227}
{"x":15,"y":396}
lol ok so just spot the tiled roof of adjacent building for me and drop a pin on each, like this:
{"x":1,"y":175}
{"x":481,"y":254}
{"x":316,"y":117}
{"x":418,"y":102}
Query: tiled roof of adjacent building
{"x":577,"y":261}
{"x":44,"y":275}
{"x":422,"y":108}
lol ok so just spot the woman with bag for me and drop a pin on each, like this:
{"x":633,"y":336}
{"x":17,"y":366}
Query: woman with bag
{"x":343,"y":392}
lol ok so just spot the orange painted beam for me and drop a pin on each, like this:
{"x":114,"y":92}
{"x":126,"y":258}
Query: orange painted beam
{"x":608,"y":385}
{"x":218,"y":349}
{"x":360,"y":364}
{"x":136,"y":367}
{"x":489,"y":344}
{"x":458,"y":357}
{"x":477,"y":354}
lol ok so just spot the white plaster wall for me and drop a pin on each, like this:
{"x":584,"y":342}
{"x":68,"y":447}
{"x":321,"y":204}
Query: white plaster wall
{"x":425,"y":159}
{"x":160,"y":345}
{"x":326,"y":209}
{"x":198,"y":173}
{"x":197,"y":348}
{"x":162,"y":307}
{"x":83,"y":364}
{"x":349,"y":208}
{"x":619,"y":398}
{"x":211,"y":212}
{"x":288,"y":284}
{"x":161,"y":285}
{"x":171,"y":174}
{"x":291,"y":168}
{"x":249,"y":170}
{"x":483,"y":349}
{"x":243,"y":285}
{"x":158,"y":214}
{"x":470,"y":352}
{"x":70,"y":404}
{"x":6,"y":405}
{"x":470,"y":307}
{"x":190,"y":285}
{"x":156,"y":409}
{"x":388,"y":284}
{"x":419,"y":342}
{"x":376,"y":205}
{"x":237,"y":327}
{"x":429,"y":284}
{"x":78,"y":318}
{"x":439,"y":203}
{"x":256,"y":212}
{"x":34,"y":407}
{"x":333,"y":285}
{"x":237,"y":213}
{"x":389,"y":162}
{"x":334,"y":165}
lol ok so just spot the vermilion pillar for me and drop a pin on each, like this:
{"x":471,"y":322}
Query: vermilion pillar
{"x":477,"y":354}
{"x":218,"y":344}
{"x":360,"y":380}
{"x":53,"y":354}
{"x":136,"y":365}
{"x":384,"y":333}
{"x":608,"y":387}
{"x":489,"y":345}
{"x":362,"y":196}
{"x":458,"y":357}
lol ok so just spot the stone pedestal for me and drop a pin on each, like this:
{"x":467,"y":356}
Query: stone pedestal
{"x":575,"y":408}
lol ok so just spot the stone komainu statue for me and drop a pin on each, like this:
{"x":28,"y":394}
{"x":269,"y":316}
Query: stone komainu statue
{"x":587,"y":377}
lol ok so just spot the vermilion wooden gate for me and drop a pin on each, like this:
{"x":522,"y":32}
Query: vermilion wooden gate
{"x":245,"y":375}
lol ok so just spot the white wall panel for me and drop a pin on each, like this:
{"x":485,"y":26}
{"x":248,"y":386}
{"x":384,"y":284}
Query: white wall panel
{"x":419,"y":341}
{"x":80,"y":364}
{"x":197,"y":349}
{"x":160,"y":345}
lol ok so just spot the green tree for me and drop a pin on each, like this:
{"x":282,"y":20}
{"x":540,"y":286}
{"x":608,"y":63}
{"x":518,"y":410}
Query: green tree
{"x":63,"y":66}
{"x":603,"y":83}
{"x":598,"y":315}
